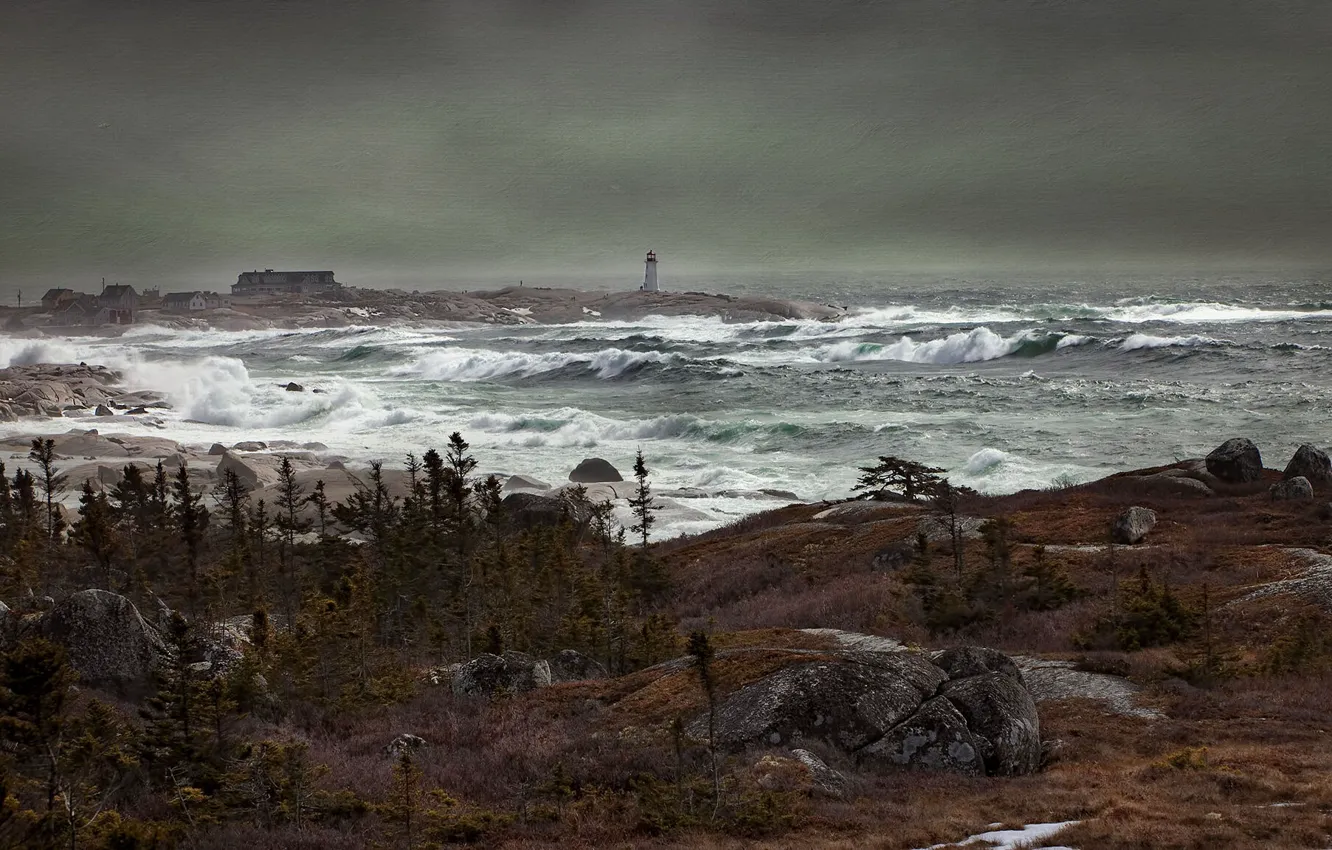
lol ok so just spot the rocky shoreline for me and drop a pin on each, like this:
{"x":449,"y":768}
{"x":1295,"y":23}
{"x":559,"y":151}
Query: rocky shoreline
{"x":516,"y":305}
{"x":51,"y":390}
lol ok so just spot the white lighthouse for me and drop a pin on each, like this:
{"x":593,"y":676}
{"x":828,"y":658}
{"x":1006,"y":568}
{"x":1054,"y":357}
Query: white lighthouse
{"x":650,"y":272}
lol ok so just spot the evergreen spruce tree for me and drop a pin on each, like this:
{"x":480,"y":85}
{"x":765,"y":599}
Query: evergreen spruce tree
{"x":642,"y":503}
{"x":191,"y":519}
{"x":96,"y":532}
{"x":907,"y":478}
{"x":50,"y":482}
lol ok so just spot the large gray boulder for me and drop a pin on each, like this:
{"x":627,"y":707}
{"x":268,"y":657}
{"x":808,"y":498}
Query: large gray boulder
{"x":512,"y":672}
{"x":1001,"y":715}
{"x":524,"y":484}
{"x":1133,"y":525}
{"x":1236,"y":461}
{"x":1296,"y":489}
{"x":569,"y":665}
{"x":964,"y":661}
{"x":1312,"y":463}
{"x":934,"y":738}
{"x":847,"y":703}
{"x":532,"y":510}
{"x":965,"y":711}
{"x":594,"y":470}
{"x":107,"y":641}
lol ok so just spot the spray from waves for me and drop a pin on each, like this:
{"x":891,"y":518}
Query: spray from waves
{"x":992,"y":470}
{"x":27,"y":352}
{"x":1206,"y":313}
{"x":1136,"y":342}
{"x":466,"y":364}
{"x":973,"y":346}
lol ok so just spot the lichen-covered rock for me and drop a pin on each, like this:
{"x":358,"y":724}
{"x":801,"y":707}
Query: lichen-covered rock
{"x":825,"y":780}
{"x":1002,"y":718}
{"x":1236,"y":461}
{"x":965,"y":661}
{"x":1312,"y":463}
{"x":512,"y":672}
{"x":802,"y":772}
{"x":935,"y":738}
{"x":532,"y":510}
{"x":1133,"y":525}
{"x":524,"y":483}
{"x":107,"y":641}
{"x":404,"y":743}
{"x":893,"y":557}
{"x":1293,"y":489}
{"x":847,"y":703}
{"x":594,"y":470}
{"x":569,"y":665}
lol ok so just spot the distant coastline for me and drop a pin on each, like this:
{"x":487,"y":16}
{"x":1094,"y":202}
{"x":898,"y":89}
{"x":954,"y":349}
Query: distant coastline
{"x":514,"y":305}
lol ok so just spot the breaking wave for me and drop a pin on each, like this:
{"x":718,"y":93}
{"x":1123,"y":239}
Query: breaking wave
{"x":466,"y":364}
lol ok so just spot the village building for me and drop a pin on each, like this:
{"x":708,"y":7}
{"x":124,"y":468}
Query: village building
{"x":269,"y":282}
{"x":79,"y":312}
{"x":188,"y":302}
{"x":54,"y":299}
{"x":120,"y":302}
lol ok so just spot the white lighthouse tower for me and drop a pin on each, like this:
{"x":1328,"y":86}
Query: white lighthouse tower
{"x":650,"y":272}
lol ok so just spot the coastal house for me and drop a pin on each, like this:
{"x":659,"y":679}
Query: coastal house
{"x":54,"y":299}
{"x":187,"y":302}
{"x":184,"y":302}
{"x":269,"y":282}
{"x":79,"y":312}
{"x":121,"y":303}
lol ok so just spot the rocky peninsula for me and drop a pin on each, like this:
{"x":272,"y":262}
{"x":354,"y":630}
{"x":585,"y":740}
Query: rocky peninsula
{"x":514,"y":305}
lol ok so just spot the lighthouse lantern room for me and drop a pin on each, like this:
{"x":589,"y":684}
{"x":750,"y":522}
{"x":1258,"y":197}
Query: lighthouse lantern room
{"x":650,"y":272}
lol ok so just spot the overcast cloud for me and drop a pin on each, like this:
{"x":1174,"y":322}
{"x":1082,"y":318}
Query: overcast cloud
{"x":169,"y":141}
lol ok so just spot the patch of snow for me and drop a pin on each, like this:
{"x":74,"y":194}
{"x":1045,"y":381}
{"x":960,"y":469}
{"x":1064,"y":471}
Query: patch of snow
{"x":1013,"y":839}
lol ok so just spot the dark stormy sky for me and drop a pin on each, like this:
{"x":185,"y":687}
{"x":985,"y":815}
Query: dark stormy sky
{"x":170,"y":140}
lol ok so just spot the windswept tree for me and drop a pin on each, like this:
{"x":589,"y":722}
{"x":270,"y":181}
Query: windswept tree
{"x":50,"y":482}
{"x":96,"y":531}
{"x":946,"y":499}
{"x":191,"y":519}
{"x":290,"y":523}
{"x":906,"y":478}
{"x":642,"y":503}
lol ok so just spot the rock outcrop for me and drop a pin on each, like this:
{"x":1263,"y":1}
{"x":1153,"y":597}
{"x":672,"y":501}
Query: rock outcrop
{"x":594,"y":470}
{"x":572,"y":666}
{"x":1236,"y":461}
{"x":406,"y":743}
{"x":1133,"y":525}
{"x":530,"y":510}
{"x":46,"y":389}
{"x":967,"y":711}
{"x":108,"y":642}
{"x":524,"y":484}
{"x":1312,"y":463}
{"x":512,"y":672}
{"x":1291,"y":490}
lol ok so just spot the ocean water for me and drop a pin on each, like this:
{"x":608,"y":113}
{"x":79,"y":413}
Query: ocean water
{"x":1007,"y":384}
